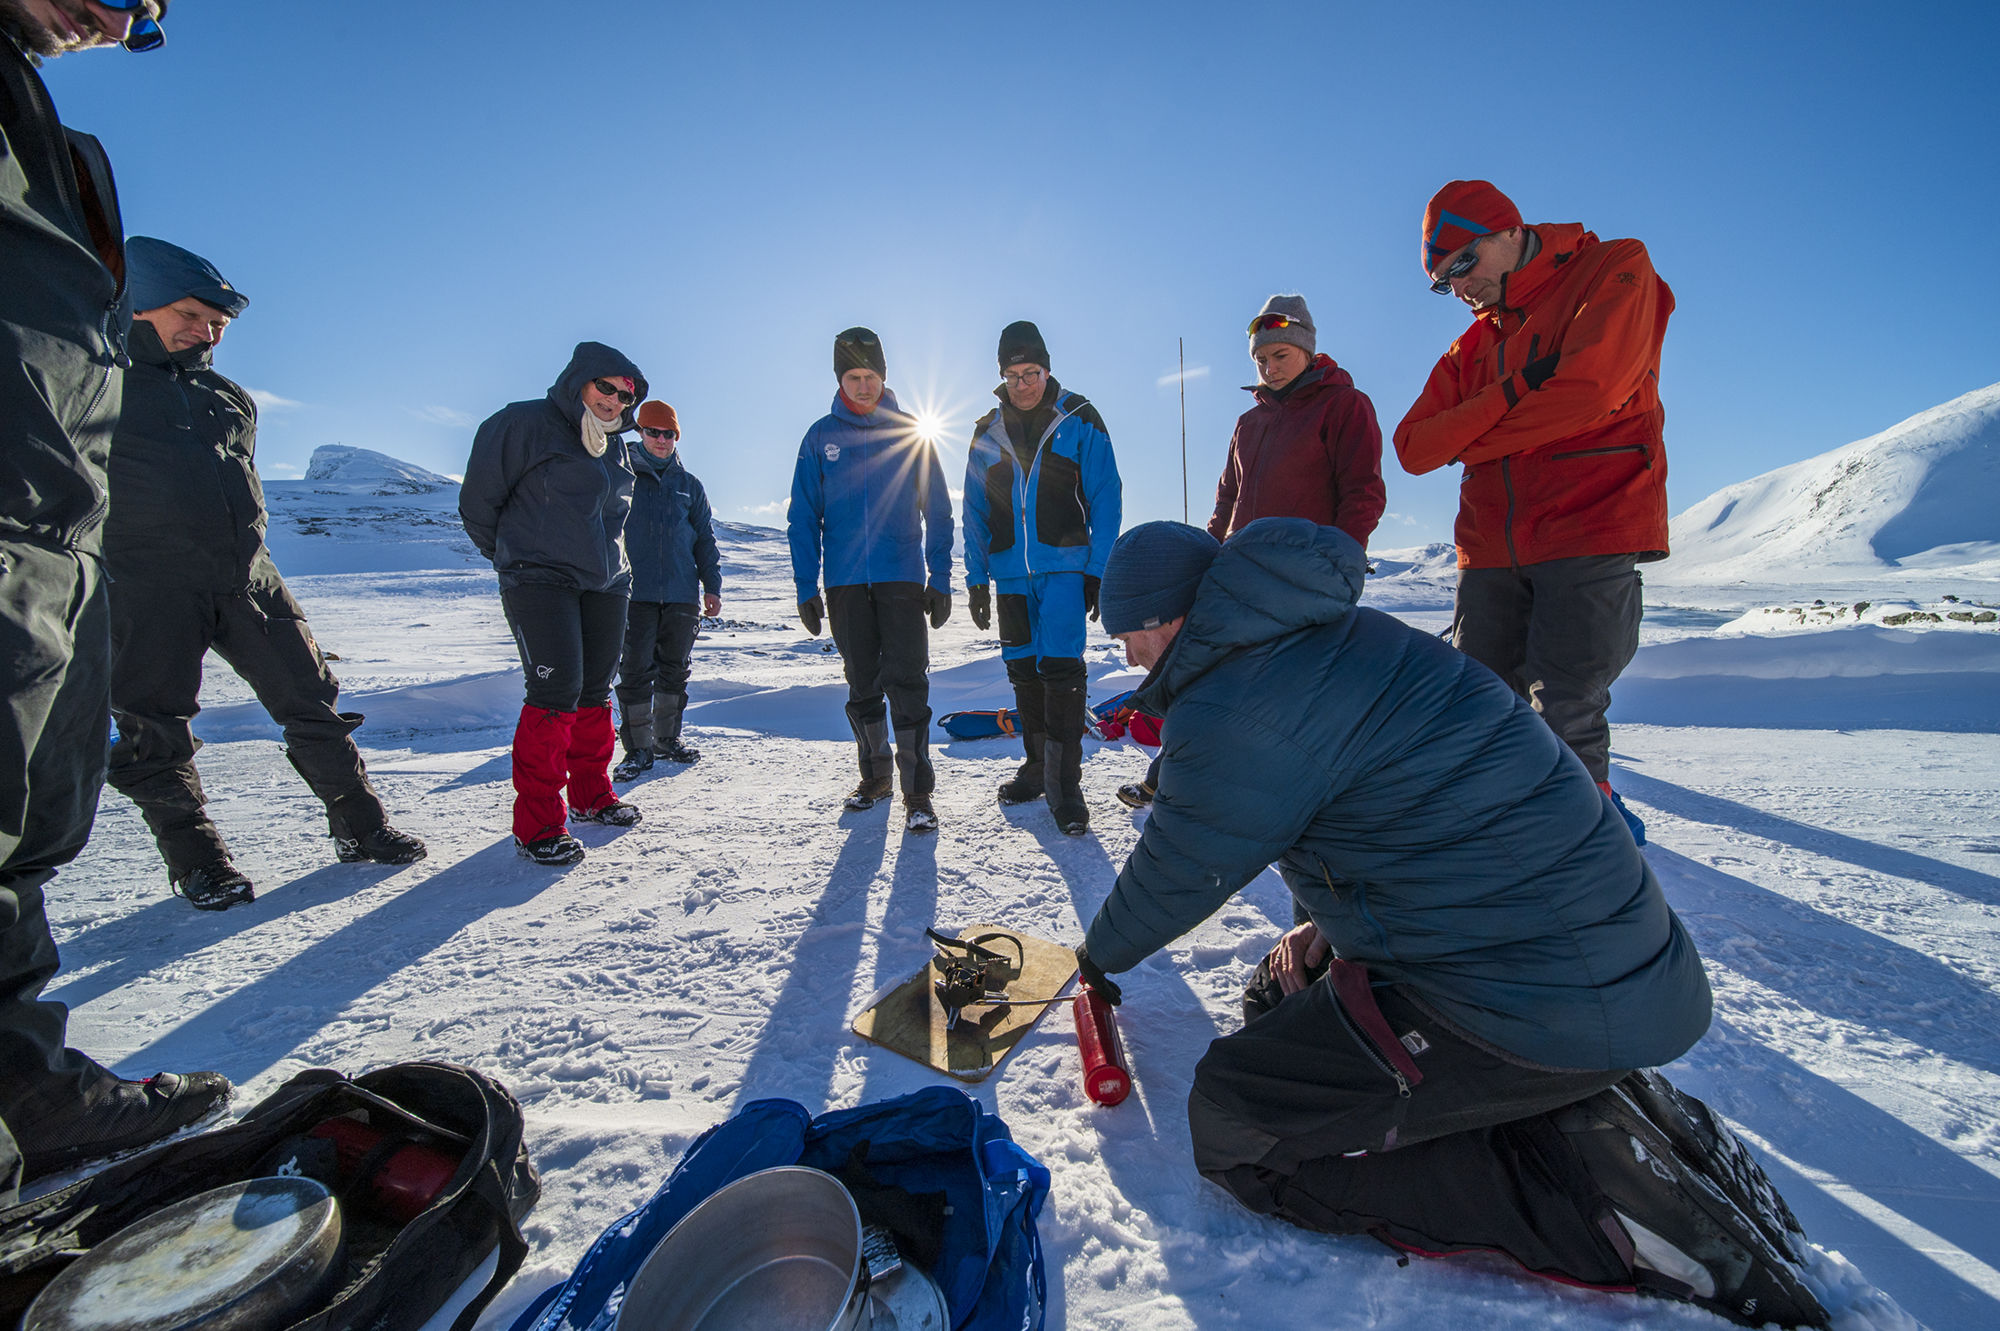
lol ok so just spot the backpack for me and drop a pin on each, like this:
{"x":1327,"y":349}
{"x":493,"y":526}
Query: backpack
{"x":396,"y":1276}
{"x":943,"y":1174}
{"x":1107,"y":720}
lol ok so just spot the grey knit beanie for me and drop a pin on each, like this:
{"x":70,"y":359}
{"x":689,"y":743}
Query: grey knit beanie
{"x":1152,"y":575}
{"x":1300,"y":331}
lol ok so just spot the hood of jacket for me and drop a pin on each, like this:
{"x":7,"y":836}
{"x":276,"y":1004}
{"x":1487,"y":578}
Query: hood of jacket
{"x":1276,"y":576}
{"x":1561,"y":242}
{"x":594,"y":360}
{"x":1316,"y":378}
{"x":144,"y":344}
{"x":887,"y":414}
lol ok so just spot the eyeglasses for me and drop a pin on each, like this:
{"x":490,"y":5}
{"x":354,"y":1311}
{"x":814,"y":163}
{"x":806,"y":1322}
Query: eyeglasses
{"x":1467,"y":260}
{"x":145,"y":34}
{"x":651,"y":433}
{"x":1022,"y":378}
{"x":1266,"y":322}
{"x":609,"y":389}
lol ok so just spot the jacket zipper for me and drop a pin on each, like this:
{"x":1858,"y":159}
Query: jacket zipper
{"x":1609,"y":448}
{"x":1033,"y":470}
{"x":1368,"y":1048}
{"x":1507,"y":480}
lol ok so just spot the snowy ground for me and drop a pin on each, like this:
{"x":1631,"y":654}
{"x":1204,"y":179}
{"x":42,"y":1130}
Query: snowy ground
{"x":1820,"y":804}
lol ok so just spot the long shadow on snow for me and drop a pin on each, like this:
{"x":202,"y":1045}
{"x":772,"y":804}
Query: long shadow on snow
{"x":1830,"y":966}
{"x":807,"y":1027}
{"x":132,"y":938}
{"x":1157,"y":1111}
{"x":1824,"y":1126}
{"x":1697,"y":807}
{"x":333,"y":971}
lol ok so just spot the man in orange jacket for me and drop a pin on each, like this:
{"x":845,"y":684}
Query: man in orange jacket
{"x":1551,"y":400}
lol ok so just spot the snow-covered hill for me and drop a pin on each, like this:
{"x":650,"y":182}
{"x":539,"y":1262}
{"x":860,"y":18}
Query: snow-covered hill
{"x":363,"y":470}
{"x":1920,"y":496}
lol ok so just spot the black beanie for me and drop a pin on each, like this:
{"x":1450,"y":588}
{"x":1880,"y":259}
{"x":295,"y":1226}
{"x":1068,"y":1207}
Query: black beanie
{"x":1021,"y":344}
{"x":858,"y":349}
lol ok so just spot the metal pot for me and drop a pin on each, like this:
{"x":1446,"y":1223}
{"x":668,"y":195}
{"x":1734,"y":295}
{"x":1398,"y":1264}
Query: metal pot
{"x":778,"y":1250}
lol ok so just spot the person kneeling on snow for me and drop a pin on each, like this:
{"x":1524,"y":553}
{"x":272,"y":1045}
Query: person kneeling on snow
{"x":670,"y":537}
{"x":870,"y":509}
{"x":184,"y":543}
{"x":1448,"y":1054}
{"x":545,"y":498}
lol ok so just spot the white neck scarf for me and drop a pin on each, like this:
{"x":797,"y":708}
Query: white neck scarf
{"x":596,"y":434}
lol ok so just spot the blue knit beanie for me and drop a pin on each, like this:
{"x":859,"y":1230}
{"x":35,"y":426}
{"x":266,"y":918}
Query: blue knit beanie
{"x":1152,"y":575}
{"x":160,"y":274}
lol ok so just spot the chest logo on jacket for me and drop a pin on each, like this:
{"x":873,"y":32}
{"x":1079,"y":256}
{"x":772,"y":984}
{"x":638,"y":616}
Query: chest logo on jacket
{"x":833,"y":452}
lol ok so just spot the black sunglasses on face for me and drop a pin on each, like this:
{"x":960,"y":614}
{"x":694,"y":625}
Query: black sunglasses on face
{"x":1460,"y":266}
{"x":145,"y":34}
{"x":609,"y":389}
{"x":651,"y":433}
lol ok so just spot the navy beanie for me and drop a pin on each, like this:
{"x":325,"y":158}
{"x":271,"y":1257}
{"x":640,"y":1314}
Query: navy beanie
{"x":1152,"y":575}
{"x":858,"y":349}
{"x":160,"y":274}
{"x":1021,"y":344}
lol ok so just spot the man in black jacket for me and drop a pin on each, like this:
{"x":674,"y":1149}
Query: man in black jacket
{"x":61,"y":269}
{"x":184,"y":543}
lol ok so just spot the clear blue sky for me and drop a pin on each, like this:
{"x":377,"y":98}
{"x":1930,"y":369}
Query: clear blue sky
{"x":430,"y":204}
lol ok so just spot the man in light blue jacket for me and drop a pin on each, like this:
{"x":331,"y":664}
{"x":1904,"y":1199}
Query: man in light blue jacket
{"x":1042,"y":507}
{"x":871,"y":514}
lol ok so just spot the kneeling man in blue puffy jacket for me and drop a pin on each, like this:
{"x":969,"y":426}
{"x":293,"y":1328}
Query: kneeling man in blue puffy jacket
{"x":1451,"y":1052}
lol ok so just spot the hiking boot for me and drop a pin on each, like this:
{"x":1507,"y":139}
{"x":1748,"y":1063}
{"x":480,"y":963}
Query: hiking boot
{"x":560,"y":849}
{"x":1136,"y":794}
{"x":677,"y":752}
{"x":1062,"y":775}
{"x":611,"y":813}
{"x":116,"y":1116}
{"x":384,"y":845}
{"x":216,"y":886}
{"x":1690,"y":1241}
{"x":871,"y":790}
{"x":918,"y":815}
{"x":1027,"y":783}
{"x":633,"y":766}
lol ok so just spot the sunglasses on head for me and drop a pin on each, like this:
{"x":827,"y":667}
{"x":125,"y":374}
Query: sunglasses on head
{"x":145,"y":34}
{"x":1463,"y":264}
{"x":609,"y":389}
{"x":651,"y":433}
{"x":1266,"y":322}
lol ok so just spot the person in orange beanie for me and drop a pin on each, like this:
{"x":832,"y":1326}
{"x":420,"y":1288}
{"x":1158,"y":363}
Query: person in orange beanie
{"x":1551,"y":402}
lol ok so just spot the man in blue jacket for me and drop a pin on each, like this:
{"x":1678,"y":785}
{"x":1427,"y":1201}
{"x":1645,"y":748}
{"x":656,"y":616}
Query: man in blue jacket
{"x":870,"y":508}
{"x":1042,"y":507}
{"x":670,"y":539}
{"x":1447,"y":1054}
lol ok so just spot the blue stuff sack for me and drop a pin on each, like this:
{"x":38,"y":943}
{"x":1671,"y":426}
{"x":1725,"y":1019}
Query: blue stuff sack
{"x":943,"y":1174}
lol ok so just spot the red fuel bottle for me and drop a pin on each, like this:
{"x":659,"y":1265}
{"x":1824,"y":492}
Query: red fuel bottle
{"x":1106,"y":1079}
{"x":403,"y":1184}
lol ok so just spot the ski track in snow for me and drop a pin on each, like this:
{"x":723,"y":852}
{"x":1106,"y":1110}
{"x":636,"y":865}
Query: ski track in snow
{"x":1844,"y":887}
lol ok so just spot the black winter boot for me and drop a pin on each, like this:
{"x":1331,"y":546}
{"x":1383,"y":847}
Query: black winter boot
{"x":1062,"y":760}
{"x":913,"y":762}
{"x":117,"y":1116}
{"x":667,"y":730}
{"x":216,"y":886}
{"x":1029,"y":695}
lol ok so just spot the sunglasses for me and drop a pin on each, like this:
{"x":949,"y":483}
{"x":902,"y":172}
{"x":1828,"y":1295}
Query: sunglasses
{"x":145,"y":34}
{"x":609,"y":389}
{"x":1460,"y":266}
{"x":651,"y":433}
{"x":1266,"y":322}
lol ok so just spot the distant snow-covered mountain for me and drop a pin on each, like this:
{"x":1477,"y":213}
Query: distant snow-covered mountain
{"x":1921,"y":495}
{"x":363,"y":470}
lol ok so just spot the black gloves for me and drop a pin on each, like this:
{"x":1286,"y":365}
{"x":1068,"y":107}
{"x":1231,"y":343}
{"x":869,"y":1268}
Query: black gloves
{"x":1090,"y":586}
{"x":812,"y":614}
{"x":1536,"y":372}
{"x":1096,"y":979}
{"x":938,"y":605}
{"x":979,"y":600}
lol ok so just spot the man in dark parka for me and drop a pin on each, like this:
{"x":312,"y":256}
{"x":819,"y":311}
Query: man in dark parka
{"x":62,"y":267}
{"x":1449,"y":1053}
{"x":190,"y":574}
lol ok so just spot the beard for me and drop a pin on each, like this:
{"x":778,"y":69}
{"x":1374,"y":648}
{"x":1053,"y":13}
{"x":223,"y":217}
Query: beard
{"x":36,"y":36}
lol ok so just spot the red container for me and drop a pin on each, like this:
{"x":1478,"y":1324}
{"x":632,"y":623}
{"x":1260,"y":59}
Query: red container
{"x":404,"y":1184}
{"x":1106,"y":1080}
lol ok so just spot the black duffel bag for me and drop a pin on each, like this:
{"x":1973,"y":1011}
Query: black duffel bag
{"x":397,"y":1274}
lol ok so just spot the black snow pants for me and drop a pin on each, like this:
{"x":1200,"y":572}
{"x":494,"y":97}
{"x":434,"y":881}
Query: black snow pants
{"x":159,"y":637}
{"x":569,"y":642}
{"x":884,"y":641}
{"x":1306,"y":1115}
{"x":653,"y":673}
{"x":1559,"y":632}
{"x":55,"y":651}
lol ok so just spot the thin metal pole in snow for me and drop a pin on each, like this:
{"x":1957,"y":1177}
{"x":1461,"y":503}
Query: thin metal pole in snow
{"x":1182,"y":343}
